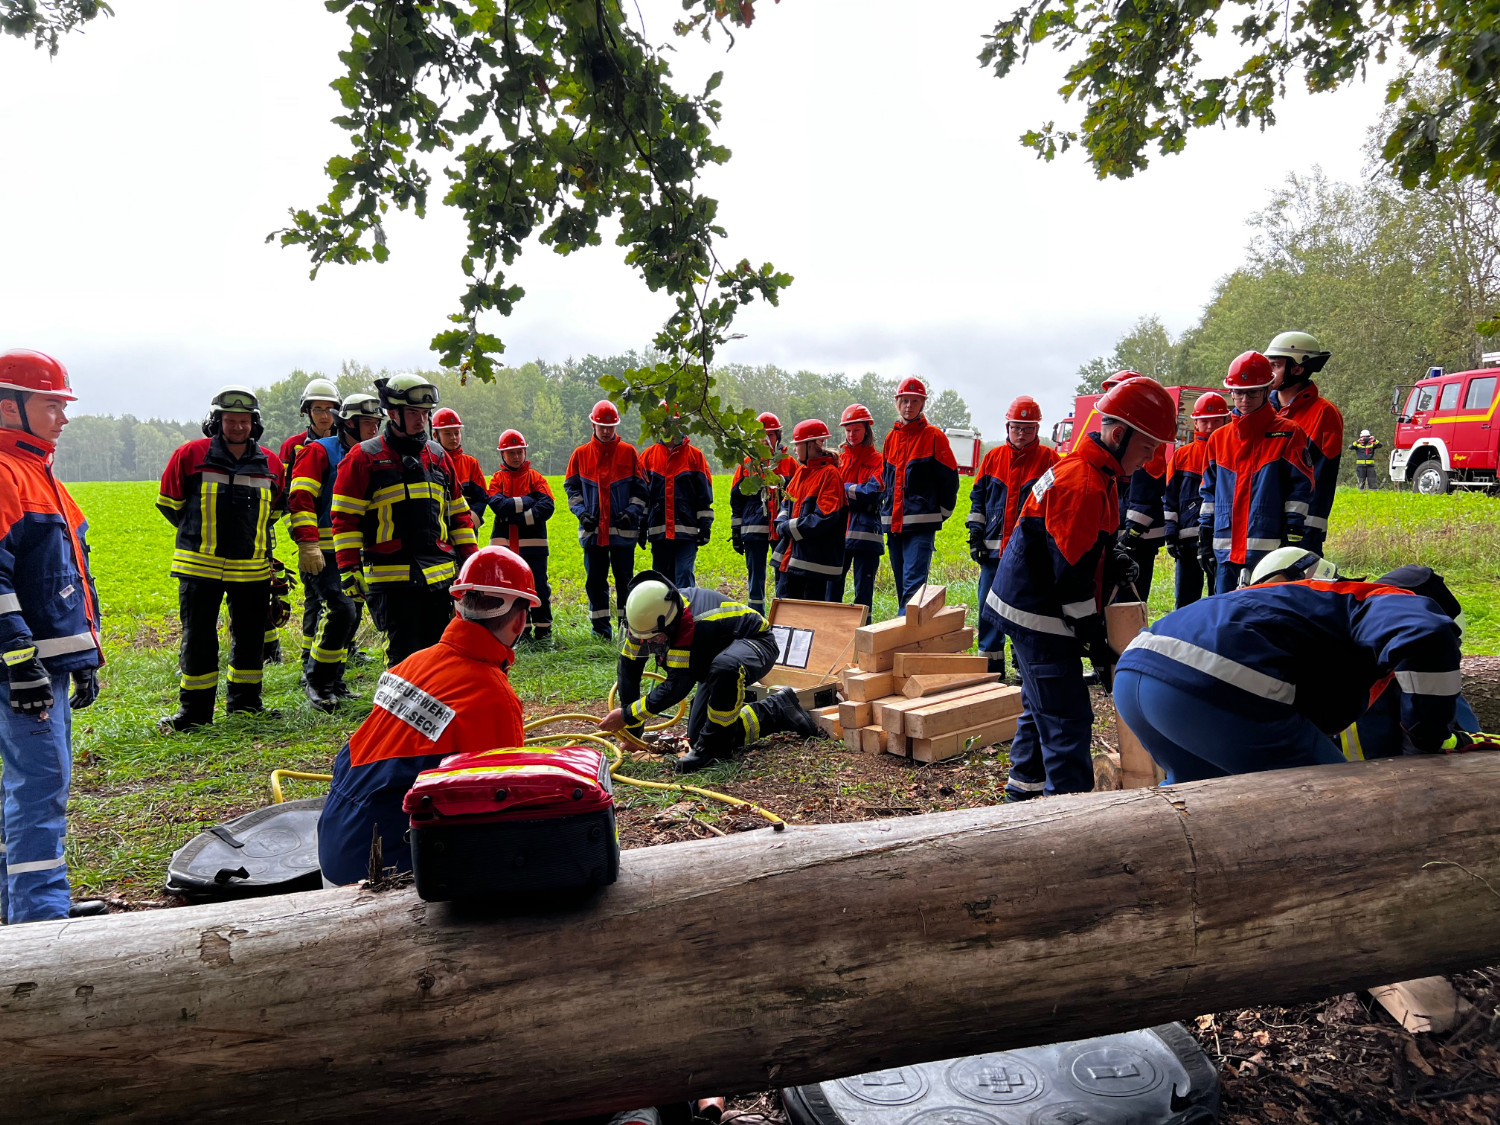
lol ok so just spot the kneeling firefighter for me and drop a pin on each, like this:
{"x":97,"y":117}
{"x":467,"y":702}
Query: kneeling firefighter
{"x":448,"y":699}
{"x":704,"y":641}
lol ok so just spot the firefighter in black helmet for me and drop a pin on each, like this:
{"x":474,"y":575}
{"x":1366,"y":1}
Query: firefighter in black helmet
{"x":222,"y":492}
{"x":401,"y":524}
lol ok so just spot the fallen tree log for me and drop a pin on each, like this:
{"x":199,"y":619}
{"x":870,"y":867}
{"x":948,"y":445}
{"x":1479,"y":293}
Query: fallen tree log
{"x":762,"y":958}
{"x":1481,"y":687}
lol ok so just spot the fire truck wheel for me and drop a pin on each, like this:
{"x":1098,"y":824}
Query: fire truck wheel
{"x":1431,"y":479}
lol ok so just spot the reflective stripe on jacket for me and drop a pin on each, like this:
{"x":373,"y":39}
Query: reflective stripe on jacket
{"x":310,"y":501}
{"x":603,"y":481}
{"x":222,"y":508}
{"x":522,"y":502}
{"x":401,"y":516}
{"x":1323,"y":424}
{"x":921,"y":478}
{"x":752,"y":515}
{"x":1257,"y":485}
{"x":812,"y":519}
{"x":1001,"y":486}
{"x":1184,"y":478}
{"x":862,"y":470}
{"x":47,"y":597}
{"x":1142,"y":507}
{"x":472,"y":484}
{"x":1364,"y":451}
{"x":1316,"y":648}
{"x":679,"y":493}
{"x":1052,"y":571}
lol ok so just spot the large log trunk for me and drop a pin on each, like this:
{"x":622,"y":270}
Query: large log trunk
{"x":1481,"y":679}
{"x":762,"y":958}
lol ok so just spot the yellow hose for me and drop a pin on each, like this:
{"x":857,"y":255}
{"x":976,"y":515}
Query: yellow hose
{"x":277,"y":775}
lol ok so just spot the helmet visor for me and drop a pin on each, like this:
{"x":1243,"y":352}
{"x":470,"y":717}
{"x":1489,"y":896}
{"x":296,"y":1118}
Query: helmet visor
{"x":236,"y":400}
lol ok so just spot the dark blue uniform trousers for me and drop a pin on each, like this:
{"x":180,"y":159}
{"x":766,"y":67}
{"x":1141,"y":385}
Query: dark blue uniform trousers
{"x":911,"y":562}
{"x":1050,"y":753}
{"x":991,"y":627}
{"x":1192,"y":738}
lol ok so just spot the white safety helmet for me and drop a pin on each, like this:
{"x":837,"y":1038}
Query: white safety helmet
{"x":652,"y":604}
{"x":1365,"y":433}
{"x":1295,"y":564}
{"x":319,"y":390}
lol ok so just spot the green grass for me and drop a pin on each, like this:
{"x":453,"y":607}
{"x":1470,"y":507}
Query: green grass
{"x":139,"y":794}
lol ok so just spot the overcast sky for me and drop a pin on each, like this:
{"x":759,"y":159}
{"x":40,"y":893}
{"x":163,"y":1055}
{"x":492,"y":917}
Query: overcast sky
{"x":873,"y":159}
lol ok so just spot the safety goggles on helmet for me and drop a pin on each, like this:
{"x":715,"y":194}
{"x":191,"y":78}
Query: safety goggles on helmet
{"x":1295,"y":564}
{"x":237,"y":401}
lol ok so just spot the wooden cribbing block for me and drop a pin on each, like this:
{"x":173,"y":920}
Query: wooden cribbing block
{"x":872,"y":740}
{"x":951,"y":745}
{"x":916,"y":687}
{"x":925,"y":602}
{"x":937,"y":663}
{"x":854,"y":713}
{"x":959,"y":641}
{"x":895,"y":743}
{"x":862,"y":687}
{"x":828,"y":719}
{"x":892,"y":712}
{"x":899,"y":632}
{"x":942,"y":716}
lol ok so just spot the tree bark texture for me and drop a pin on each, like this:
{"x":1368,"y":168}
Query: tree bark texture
{"x":762,"y":958}
{"x":1481,"y":679}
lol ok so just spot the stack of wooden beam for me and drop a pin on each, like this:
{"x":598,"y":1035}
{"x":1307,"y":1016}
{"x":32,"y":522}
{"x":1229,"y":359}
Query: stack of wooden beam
{"x":915,"y":691}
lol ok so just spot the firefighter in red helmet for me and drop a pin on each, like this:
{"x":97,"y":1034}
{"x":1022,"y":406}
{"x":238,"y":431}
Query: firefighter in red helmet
{"x":752,"y":515}
{"x":1184,"y":478}
{"x":607,"y":493}
{"x":862,"y":469}
{"x":1059,"y":570}
{"x":522,"y":502}
{"x":448,"y":428}
{"x":679,"y":501}
{"x":811,"y":521}
{"x":921,"y":489}
{"x":1001,"y":485}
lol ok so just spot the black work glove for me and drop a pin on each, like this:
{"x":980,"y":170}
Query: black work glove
{"x":737,"y":541}
{"x":1174,"y":548}
{"x":30,"y":687}
{"x":1206,"y":557}
{"x":976,"y":545}
{"x":589,"y":525}
{"x":1121,"y":570}
{"x":85,"y":688}
{"x":625,"y":520}
{"x":1094,"y":638}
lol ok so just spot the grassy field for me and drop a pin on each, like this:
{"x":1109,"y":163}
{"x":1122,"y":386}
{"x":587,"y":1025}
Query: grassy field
{"x":140,"y":794}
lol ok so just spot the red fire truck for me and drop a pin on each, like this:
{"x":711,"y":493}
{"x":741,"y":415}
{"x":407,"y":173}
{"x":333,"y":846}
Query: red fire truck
{"x":1083,"y":407}
{"x":1444,"y":436}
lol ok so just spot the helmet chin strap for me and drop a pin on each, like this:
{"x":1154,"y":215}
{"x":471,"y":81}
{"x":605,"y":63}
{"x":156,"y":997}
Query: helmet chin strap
{"x":20,"y":401}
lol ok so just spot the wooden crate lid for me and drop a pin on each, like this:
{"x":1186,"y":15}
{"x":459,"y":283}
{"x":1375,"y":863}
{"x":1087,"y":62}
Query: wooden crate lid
{"x":830,"y":648}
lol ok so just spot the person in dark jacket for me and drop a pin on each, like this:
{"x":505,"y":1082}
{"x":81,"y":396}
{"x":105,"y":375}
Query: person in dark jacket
{"x":710,"y":646}
{"x":320,"y":406}
{"x":679,"y":502}
{"x":921,"y":489}
{"x":222,"y":493}
{"x":1364,"y":448}
{"x":522,"y":502}
{"x":607,"y":493}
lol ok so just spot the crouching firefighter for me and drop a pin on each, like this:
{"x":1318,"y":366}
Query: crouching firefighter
{"x":452,"y":698}
{"x":221,"y":492}
{"x":311,"y":520}
{"x":705,"y":641}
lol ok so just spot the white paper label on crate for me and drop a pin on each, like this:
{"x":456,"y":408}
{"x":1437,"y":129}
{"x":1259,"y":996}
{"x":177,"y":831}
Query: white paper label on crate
{"x":424,"y":713}
{"x":794,"y":646}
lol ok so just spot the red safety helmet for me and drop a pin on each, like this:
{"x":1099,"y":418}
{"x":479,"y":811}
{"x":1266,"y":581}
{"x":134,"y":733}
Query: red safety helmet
{"x":810,"y":430}
{"x":1024,"y":409}
{"x":511,"y":439}
{"x":446,"y":419}
{"x":856,"y":413}
{"x":769,"y":421}
{"x":1210,"y":405}
{"x":604,"y":413}
{"x":911,"y":385}
{"x":35,"y":373}
{"x":1113,"y":381}
{"x":1142,"y":404}
{"x":1250,"y":371}
{"x":496,"y":572}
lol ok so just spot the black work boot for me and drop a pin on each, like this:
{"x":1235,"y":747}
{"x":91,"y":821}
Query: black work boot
{"x":319,"y":693}
{"x":700,"y":756}
{"x":787,"y":708}
{"x":244,"y":699}
{"x":88,"y":908}
{"x":195,"y":709}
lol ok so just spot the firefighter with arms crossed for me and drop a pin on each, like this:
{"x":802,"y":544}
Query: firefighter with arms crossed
{"x":1059,"y":568}
{"x":401,"y":525}
{"x":679,"y":501}
{"x":1295,"y":357}
{"x":1001,"y":485}
{"x":607,"y":494}
{"x":862,"y":469}
{"x":522,"y":502}
{"x":751,"y":515}
{"x":49,"y":635}
{"x":222,"y":492}
{"x":463,"y":680}
{"x":1267,"y":676}
{"x":320,"y":405}
{"x":448,"y":428}
{"x":811,"y":522}
{"x":1257,"y":487}
{"x":311,"y":521}
{"x":921,"y":489}
{"x":711,"y":647}
{"x":1184,"y":479}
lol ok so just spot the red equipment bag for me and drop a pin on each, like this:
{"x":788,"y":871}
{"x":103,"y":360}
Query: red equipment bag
{"x":495,"y":822}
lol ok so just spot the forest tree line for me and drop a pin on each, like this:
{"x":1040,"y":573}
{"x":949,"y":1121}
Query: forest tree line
{"x":548,"y":402}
